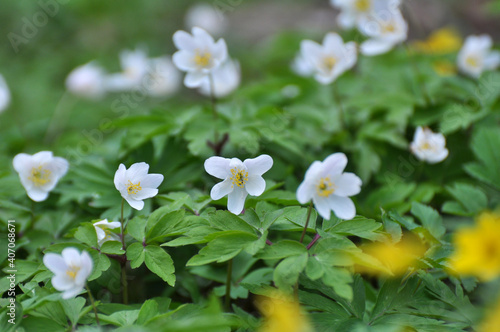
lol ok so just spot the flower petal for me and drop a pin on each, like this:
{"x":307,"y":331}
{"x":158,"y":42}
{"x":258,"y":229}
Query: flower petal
{"x":63,"y":282}
{"x":71,"y":293}
{"x":259,"y":165}
{"x":22,"y":163}
{"x":218,"y":167}
{"x":71,"y":256}
{"x":136,"y":172}
{"x":184,"y":41}
{"x":151,"y":181}
{"x":194,"y":79}
{"x":305,"y":192}
{"x":36,"y":194}
{"x":322,"y":206}
{"x":236,"y":200}
{"x":183,"y":60}
{"x":55,"y":263}
{"x":255,"y":185}
{"x":221,"y":189}
{"x":145,"y":193}
{"x":334,"y":164}
{"x":342,"y":206}
{"x":347,"y":184}
{"x":138,"y":205}
{"x":374,"y":47}
{"x":119,"y":179}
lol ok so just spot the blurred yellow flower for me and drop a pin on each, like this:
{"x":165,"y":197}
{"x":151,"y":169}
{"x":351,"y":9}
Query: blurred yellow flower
{"x":477,"y":249}
{"x":396,"y":258}
{"x":442,"y":41}
{"x":491,"y":323}
{"x":282,"y":313}
{"x":444,"y":68}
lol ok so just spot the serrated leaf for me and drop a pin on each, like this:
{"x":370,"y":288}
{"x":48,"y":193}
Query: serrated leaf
{"x":159,"y":262}
{"x":135,"y":254}
{"x":86,"y":233}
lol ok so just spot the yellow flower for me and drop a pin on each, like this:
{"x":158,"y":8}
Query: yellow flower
{"x":442,"y":41}
{"x":396,"y":258}
{"x":282,"y":313}
{"x":477,"y":249}
{"x":491,"y":322}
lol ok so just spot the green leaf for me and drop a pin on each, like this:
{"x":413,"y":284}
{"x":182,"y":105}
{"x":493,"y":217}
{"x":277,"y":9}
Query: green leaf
{"x":159,"y":262}
{"x":72,"y":308}
{"x":135,"y":254}
{"x":136,"y":228}
{"x":470,"y":200}
{"x":430,"y":219}
{"x":86,"y":233}
{"x":485,"y":145}
{"x":226,"y":221}
{"x":359,"y":226}
{"x":287,"y":271}
{"x":339,"y":279}
{"x":148,"y":310}
{"x":112,"y":247}
{"x":283,"y":249}
{"x":164,"y":226}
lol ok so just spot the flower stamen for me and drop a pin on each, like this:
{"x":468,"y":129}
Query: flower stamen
{"x":202,"y":59}
{"x":239,"y":177}
{"x":329,"y":62}
{"x":325,"y":187}
{"x":72,"y":271}
{"x":362,"y":5}
{"x":133,"y":189}
{"x":39,"y":176}
{"x":472,"y":61}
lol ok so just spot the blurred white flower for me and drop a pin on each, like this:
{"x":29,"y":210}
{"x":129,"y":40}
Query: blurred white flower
{"x":135,"y":184}
{"x":163,"y":78}
{"x":87,"y":81}
{"x":331,"y":59}
{"x":428,"y":146}
{"x":329,"y":187}
{"x":240,"y":179}
{"x":207,"y":17}
{"x":135,"y":65}
{"x":354,"y":11}
{"x":384,"y":32}
{"x":199,"y":55}
{"x":476,"y":56}
{"x":4,"y":94}
{"x":103,"y":232}
{"x":301,"y":66}
{"x":226,"y":78}
{"x":71,"y":270}
{"x":39,"y":173}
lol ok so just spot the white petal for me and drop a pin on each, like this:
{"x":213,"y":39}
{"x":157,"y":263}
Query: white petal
{"x":138,"y":205}
{"x":119,"y":179}
{"x":22,"y":163}
{"x":71,"y":256}
{"x":55,"y":263}
{"x":218,"y":167}
{"x":137,"y":171}
{"x":36,"y":194}
{"x":86,"y":267}
{"x":184,"y":41}
{"x":347,"y":184}
{"x":332,"y":43}
{"x":101,"y":234}
{"x":492,"y":61}
{"x":71,"y":293}
{"x":43,"y":157}
{"x":145,"y":193}
{"x":346,"y":21}
{"x":151,"y":181}
{"x":311,"y":51}
{"x":220,"y":51}
{"x":221,"y":189}
{"x":438,"y":157}
{"x":374,"y":47}
{"x":236,"y":200}
{"x":194,"y":79}
{"x":259,"y":165}
{"x":305,"y":192}
{"x":334,"y":164}
{"x":342,"y":206}
{"x":255,"y":185}
{"x":183,"y":60}
{"x":62,"y":282}
{"x":202,"y":36}
{"x":59,"y":167}
{"x":322,"y":206}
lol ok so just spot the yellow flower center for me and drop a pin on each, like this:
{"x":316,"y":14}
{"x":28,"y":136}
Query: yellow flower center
{"x":426,"y":146}
{"x":72,"y":271}
{"x":39,"y":176}
{"x":388,"y":28}
{"x":362,"y":5}
{"x":239,"y":177}
{"x":133,"y":189}
{"x":202,"y":59}
{"x":472,"y":61}
{"x":325,"y":187}
{"x":329,"y":62}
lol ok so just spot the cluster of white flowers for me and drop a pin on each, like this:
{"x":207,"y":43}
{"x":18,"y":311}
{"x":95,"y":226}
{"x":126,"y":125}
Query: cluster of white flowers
{"x":155,"y":77}
{"x":4,"y":94}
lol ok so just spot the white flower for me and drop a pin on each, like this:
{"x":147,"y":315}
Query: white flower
{"x":135,"y":65}
{"x":331,"y":59}
{"x":476,"y":56}
{"x":207,"y":17}
{"x":353,"y":11}
{"x":87,"y":81}
{"x":428,"y":146}
{"x":199,"y":55}
{"x":71,"y":270}
{"x":329,"y":187}
{"x":240,"y":179}
{"x":39,"y":173}
{"x":384,"y":32}
{"x":104,"y":234}
{"x":163,"y":78}
{"x":4,"y":94}
{"x":226,"y":79}
{"x":135,"y":184}
{"x":301,"y":66}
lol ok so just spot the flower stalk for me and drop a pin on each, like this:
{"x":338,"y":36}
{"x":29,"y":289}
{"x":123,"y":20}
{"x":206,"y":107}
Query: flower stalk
{"x":227,"y":302}
{"x":92,"y":302}
{"x":124,"y":262}
{"x":309,"y":210}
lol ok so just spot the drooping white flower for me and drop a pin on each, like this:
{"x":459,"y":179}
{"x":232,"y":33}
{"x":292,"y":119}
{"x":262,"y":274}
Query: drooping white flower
{"x":135,"y":184}
{"x":240,"y":179}
{"x":428,"y":146}
{"x":199,"y":55}
{"x":4,"y":94}
{"x":476,"y":56}
{"x":353,"y":11}
{"x":87,"y":81}
{"x":207,"y":17}
{"x":331,"y":59}
{"x":162,"y":79}
{"x":39,"y":173}
{"x":71,"y":270}
{"x":384,"y":32}
{"x":329,"y":187}
{"x":104,"y":233}
{"x":135,"y":65}
{"x":301,"y":66}
{"x":226,"y":78}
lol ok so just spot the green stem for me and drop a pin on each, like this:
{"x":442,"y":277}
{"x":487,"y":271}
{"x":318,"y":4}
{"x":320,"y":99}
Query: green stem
{"x":124,"y":262}
{"x":341,"y":107}
{"x":309,"y":210}
{"x":227,"y":304}
{"x":91,"y":298}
